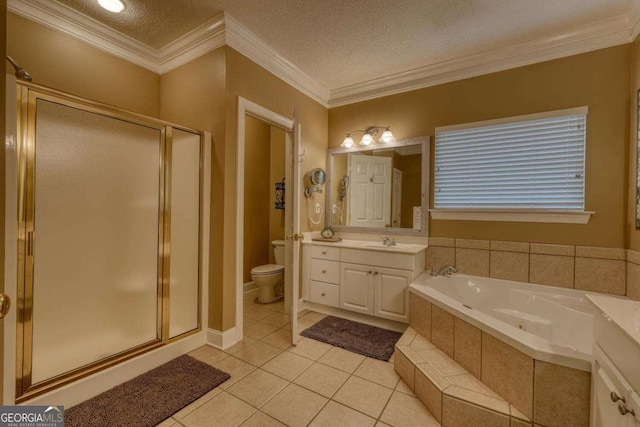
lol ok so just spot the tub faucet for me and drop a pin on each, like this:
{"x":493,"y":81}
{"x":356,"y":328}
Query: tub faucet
{"x":388,"y":242}
{"x":447,"y":270}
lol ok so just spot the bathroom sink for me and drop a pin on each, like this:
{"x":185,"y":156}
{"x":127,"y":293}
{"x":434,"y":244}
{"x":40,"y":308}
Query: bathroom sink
{"x":396,"y":246}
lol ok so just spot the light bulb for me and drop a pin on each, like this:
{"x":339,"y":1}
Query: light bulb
{"x":366,"y":139}
{"x":347,"y":143}
{"x":115,"y":6}
{"x":387,"y":136}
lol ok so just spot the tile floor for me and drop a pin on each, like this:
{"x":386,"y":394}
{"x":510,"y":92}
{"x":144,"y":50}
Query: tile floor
{"x":312,"y":384}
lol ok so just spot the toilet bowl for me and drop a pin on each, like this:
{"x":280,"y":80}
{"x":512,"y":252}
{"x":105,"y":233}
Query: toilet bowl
{"x":270,"y":277}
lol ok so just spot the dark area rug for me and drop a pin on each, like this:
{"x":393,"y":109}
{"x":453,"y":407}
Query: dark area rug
{"x":149,"y":398}
{"x":357,"y":337}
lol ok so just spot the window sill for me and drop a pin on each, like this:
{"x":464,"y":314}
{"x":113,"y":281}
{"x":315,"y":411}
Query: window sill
{"x":558,"y":217}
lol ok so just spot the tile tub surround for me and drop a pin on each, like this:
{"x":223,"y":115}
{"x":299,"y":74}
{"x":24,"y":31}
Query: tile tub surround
{"x":536,"y":389}
{"x":454,"y":396}
{"x":608,"y":270}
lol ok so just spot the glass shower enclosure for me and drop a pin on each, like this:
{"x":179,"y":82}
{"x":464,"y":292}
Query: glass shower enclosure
{"x":109,"y":211}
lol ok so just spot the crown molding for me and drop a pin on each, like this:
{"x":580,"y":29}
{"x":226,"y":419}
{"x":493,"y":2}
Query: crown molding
{"x":254,"y":48}
{"x":224,"y":29}
{"x":606,"y":33}
{"x":66,"y":20}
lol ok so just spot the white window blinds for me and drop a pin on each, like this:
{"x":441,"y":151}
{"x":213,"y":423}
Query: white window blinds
{"x":526,"y":162}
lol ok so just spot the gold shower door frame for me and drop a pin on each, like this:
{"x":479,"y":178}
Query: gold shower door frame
{"x":28,"y":94}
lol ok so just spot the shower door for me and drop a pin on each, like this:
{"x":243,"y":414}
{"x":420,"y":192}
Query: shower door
{"x":99,"y":279}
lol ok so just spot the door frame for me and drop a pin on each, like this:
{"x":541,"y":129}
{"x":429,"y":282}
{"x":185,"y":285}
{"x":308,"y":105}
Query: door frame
{"x":246,"y":107}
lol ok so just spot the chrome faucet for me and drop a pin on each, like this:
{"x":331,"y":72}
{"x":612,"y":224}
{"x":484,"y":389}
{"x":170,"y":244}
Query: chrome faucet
{"x":388,"y":242}
{"x":447,"y":270}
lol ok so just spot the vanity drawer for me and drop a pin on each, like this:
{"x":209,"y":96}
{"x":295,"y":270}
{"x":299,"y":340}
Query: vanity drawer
{"x":325,"y":271}
{"x":325,"y":252}
{"x":324,"y":293}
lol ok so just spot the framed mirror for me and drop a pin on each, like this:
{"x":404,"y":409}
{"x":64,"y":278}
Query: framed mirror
{"x":380,"y":188}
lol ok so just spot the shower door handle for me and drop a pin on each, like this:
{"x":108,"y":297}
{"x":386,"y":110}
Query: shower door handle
{"x":5,"y":305}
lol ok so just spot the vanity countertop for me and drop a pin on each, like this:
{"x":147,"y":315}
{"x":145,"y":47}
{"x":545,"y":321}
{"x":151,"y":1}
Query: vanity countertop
{"x":369,"y":245}
{"x":623,"y":313}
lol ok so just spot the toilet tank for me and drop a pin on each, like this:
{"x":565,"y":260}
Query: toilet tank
{"x":278,"y":251}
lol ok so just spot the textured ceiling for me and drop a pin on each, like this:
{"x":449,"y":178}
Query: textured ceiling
{"x":343,"y":42}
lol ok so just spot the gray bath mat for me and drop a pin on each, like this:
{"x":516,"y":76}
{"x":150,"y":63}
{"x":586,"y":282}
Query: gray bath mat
{"x":357,"y":337}
{"x":149,"y":398}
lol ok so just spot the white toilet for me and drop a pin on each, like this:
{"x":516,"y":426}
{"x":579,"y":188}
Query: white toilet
{"x":270,"y":277}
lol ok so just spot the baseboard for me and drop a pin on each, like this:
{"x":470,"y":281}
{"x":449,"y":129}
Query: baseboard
{"x":222,"y":339}
{"x":249,"y":287}
{"x":357,"y":317}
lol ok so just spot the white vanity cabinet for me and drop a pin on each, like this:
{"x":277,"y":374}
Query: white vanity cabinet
{"x":371,"y":280}
{"x":615,"y":376}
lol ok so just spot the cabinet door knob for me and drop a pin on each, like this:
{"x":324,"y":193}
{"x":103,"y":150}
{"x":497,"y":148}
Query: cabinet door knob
{"x":324,"y":294}
{"x":375,"y":274}
{"x":324,"y":271}
{"x":369,"y":273}
{"x":324,"y":252}
{"x":614,"y":397}
{"x":624,"y":410}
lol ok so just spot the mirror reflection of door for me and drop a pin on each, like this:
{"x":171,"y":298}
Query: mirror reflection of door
{"x":370,"y":191}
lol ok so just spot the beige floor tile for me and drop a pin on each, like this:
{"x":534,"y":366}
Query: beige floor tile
{"x":334,"y":414}
{"x":246,"y":321}
{"x":259,"y":330}
{"x":303,"y":313}
{"x":225,"y":409}
{"x":295,"y":406}
{"x":256,"y":313}
{"x":470,"y":382}
{"x":304,"y":324}
{"x":444,"y":364}
{"x":277,"y":320}
{"x":322,"y":379}
{"x":240,"y":345}
{"x":363,"y":396}
{"x":342,"y":359}
{"x":381,"y":424}
{"x":260,"y":419}
{"x":208,"y":354}
{"x":420,"y":343}
{"x":407,"y":411}
{"x":257,"y":387}
{"x":258,"y":353}
{"x":275,"y":306}
{"x":166,"y":423}
{"x":287,"y":365}
{"x":379,"y":372}
{"x":402,"y":387}
{"x":235,"y":367}
{"x":280,"y":338}
{"x":314,"y":317}
{"x":196,"y":404}
{"x":311,"y":349}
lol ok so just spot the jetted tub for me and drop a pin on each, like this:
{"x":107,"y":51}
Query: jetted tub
{"x":545,"y":322}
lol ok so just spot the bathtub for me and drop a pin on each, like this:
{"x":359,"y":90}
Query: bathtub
{"x":546,"y":323}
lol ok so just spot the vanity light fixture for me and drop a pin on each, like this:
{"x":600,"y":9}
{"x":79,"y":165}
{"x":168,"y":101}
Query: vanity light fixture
{"x":115,"y":6}
{"x":367,"y":136}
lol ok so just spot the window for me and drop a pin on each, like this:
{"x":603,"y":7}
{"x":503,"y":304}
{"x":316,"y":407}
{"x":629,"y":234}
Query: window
{"x":532,"y":163}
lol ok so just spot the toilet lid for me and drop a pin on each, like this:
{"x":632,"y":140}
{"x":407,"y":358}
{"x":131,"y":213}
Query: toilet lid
{"x":267,"y":269}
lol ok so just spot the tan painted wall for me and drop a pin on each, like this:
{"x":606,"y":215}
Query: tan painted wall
{"x":256,"y":195}
{"x":62,"y":62}
{"x":633,"y":235}
{"x":598,"y":79}
{"x":277,"y":172}
{"x":194,"y":95}
{"x":247,"y":79}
